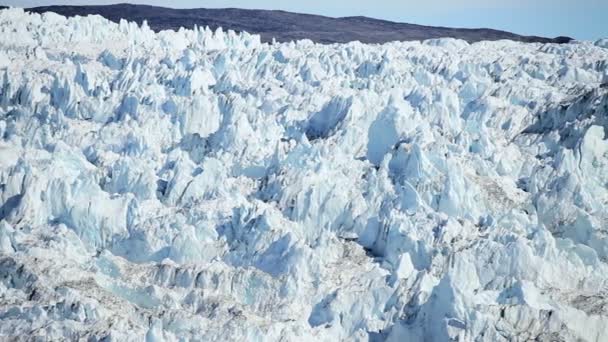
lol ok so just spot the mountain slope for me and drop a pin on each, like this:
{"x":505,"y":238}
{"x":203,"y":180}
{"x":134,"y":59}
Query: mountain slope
{"x":286,"y":26}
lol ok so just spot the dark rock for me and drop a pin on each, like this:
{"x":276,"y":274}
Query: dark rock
{"x":286,"y":26}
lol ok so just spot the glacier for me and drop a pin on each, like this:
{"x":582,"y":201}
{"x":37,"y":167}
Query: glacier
{"x":199,"y":185}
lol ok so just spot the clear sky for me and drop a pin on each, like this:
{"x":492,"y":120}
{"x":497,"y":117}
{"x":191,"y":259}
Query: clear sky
{"x":581,"y":19}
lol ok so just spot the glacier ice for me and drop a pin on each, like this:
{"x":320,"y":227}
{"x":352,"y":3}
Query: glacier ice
{"x":199,"y":185}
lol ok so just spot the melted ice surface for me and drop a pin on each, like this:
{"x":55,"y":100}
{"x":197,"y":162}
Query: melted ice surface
{"x":202,"y":185}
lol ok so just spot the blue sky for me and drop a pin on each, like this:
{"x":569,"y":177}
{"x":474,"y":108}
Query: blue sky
{"x":581,"y":19}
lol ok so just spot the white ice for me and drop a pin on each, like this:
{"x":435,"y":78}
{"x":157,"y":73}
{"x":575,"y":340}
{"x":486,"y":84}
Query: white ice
{"x":199,"y":185}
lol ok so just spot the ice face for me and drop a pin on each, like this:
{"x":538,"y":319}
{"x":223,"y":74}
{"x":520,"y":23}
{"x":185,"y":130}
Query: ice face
{"x":202,"y":185}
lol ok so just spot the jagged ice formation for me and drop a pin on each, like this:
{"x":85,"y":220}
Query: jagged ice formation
{"x":202,"y":185}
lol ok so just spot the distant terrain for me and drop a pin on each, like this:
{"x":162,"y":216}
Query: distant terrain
{"x":286,"y":26}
